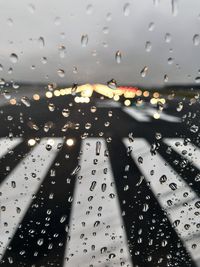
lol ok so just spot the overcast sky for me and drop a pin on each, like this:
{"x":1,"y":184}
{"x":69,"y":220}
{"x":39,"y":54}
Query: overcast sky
{"x":159,"y":35}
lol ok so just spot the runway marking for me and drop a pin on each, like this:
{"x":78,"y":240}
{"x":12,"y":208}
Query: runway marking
{"x":7,"y":144}
{"x":189,"y":151}
{"x":181,"y":204}
{"x":163,"y":116}
{"x":19,"y":186}
{"x":136,"y":114}
{"x":96,"y":225}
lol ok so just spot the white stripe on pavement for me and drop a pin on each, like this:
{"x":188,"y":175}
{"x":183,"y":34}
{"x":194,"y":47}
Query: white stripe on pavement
{"x":188,"y":151}
{"x":19,"y":186}
{"x":136,"y":114}
{"x":7,"y":144}
{"x":96,"y":227}
{"x":182,"y":204}
{"x":163,"y":115}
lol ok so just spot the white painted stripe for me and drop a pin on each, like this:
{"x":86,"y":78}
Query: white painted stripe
{"x":16,"y":198}
{"x":163,"y":193}
{"x":189,"y":151}
{"x":7,"y":145}
{"x":136,"y":114}
{"x":108,"y":104}
{"x":91,"y":182}
{"x":163,"y":115}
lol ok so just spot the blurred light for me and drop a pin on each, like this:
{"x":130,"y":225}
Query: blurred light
{"x":57,"y":93}
{"x":127,"y":102}
{"x":31,"y":142}
{"x":76,"y":99}
{"x":153,"y":101}
{"x":62,"y":91}
{"x":69,"y":142}
{"x":146,"y":94}
{"x":86,"y":99}
{"x":49,"y":94}
{"x":116,"y":97}
{"x":13,"y":101}
{"x":138,"y":92}
{"x":156,"y":94}
{"x":36,"y":97}
{"x":156,"y":116}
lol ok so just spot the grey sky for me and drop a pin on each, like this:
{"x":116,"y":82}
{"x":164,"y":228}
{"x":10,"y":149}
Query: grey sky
{"x":109,"y":29}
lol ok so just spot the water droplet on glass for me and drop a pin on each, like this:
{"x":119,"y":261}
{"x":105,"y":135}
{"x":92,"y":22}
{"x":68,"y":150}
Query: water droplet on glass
{"x":40,"y":242}
{"x":93,"y":184}
{"x":10,"y":22}
{"x":31,"y":8}
{"x":151,"y":26}
{"x":84,"y":40}
{"x":61,"y":73}
{"x":163,"y":179}
{"x":174,"y":6}
{"x":166,"y":78}
{"x":168,"y":37}
{"x":41,"y":42}
{"x":173,"y":186}
{"x":25,"y":100}
{"x":89,"y":9}
{"x":65,"y":112}
{"x":144,"y":71}
{"x":13,"y":58}
{"x":126,"y":9}
{"x":170,"y":60}
{"x":194,"y":128}
{"x":57,"y":21}
{"x":62,"y":51}
{"x":112,"y":84}
{"x":118,"y":57}
{"x":197,"y":80}
{"x":105,"y":30}
{"x":196,"y":39}
{"x":197,"y":204}
{"x":148,"y":46}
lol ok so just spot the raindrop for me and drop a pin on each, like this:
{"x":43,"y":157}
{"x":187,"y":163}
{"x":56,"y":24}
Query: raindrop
{"x":93,"y":184}
{"x":174,"y":6}
{"x":13,"y":184}
{"x":84,"y":40}
{"x":112,"y":84}
{"x":148,"y":46}
{"x":65,"y":112}
{"x":103,"y":250}
{"x":13,"y":58}
{"x":163,"y":179}
{"x":103,"y":187}
{"x":170,"y":60}
{"x":118,"y":57}
{"x":98,"y":148}
{"x":51,"y":107}
{"x":144,"y":71}
{"x":25,"y":100}
{"x":41,"y":42}
{"x":126,"y":9}
{"x":57,"y":21}
{"x":173,"y":186}
{"x":31,"y":8}
{"x":44,"y":60}
{"x":145,"y":207}
{"x":18,"y":210}
{"x":62,"y":51}
{"x":105,"y":30}
{"x":197,"y":80}
{"x":168,"y":37}
{"x":176,"y":223}
{"x":10,"y":22}
{"x":197,"y":204}
{"x":89,"y":9}
{"x":140,"y":160}
{"x":61,"y":73}
{"x":194,"y":128}
{"x":40,"y":242}
{"x":111,"y":256}
{"x":109,"y":17}
{"x":151,"y":26}
{"x":180,"y":106}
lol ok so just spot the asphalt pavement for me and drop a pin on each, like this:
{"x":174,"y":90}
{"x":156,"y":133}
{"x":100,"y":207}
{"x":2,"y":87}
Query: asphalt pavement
{"x":99,"y":184}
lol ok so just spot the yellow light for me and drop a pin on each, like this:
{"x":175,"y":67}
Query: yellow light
{"x":31,"y":142}
{"x":49,"y":94}
{"x":156,"y":115}
{"x":87,"y":99}
{"x":13,"y":101}
{"x":146,"y":94}
{"x":76,"y":99}
{"x":127,"y":102}
{"x":57,"y":93}
{"x":153,"y":101}
{"x":156,"y":94}
{"x":138,"y":92}
{"x":36,"y":97}
{"x":62,"y":91}
{"x":69,"y":142}
{"x":116,"y":97}
{"x":162,"y":100}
